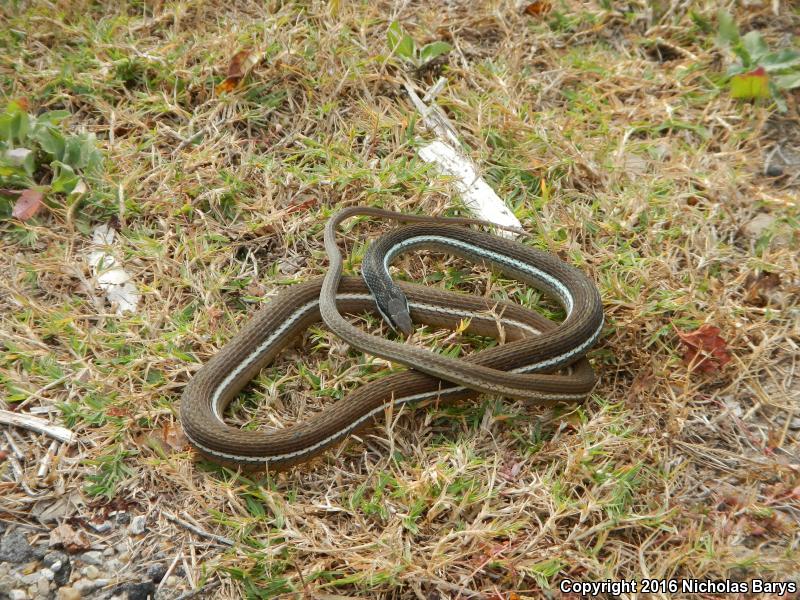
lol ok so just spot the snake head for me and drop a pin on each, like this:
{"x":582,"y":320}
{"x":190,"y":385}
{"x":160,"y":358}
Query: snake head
{"x":395,"y":311}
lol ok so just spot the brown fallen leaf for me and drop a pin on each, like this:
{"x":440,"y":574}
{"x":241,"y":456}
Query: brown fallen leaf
{"x":174,"y":437}
{"x":538,"y":8}
{"x":27,"y":205}
{"x":642,"y":384}
{"x":759,"y":287}
{"x":170,"y":438}
{"x":301,"y":206}
{"x":705,"y":349}
{"x":116,"y":411}
{"x":71,"y":540}
{"x":239,"y":67}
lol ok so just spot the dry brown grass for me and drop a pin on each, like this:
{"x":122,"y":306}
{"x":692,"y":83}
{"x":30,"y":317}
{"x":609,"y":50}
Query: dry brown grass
{"x":653,"y":177}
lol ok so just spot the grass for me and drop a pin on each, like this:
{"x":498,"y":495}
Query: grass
{"x":610,"y":134}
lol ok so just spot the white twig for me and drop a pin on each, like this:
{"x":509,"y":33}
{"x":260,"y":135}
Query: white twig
{"x":44,"y":465}
{"x":195,"y":529}
{"x":477,"y":195}
{"x":36,"y":424}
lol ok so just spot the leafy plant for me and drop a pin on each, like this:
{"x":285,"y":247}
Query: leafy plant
{"x":111,"y":471}
{"x":403,"y":45}
{"x":758,"y":71}
{"x":36,"y":153}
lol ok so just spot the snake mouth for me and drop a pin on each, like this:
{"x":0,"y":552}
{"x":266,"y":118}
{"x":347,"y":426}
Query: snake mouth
{"x":396,"y":313}
{"x":402,"y":321}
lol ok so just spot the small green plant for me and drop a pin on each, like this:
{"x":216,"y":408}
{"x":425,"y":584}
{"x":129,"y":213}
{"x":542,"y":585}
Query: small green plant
{"x":111,"y":471}
{"x":758,"y":71}
{"x":403,"y":45}
{"x":36,"y":154}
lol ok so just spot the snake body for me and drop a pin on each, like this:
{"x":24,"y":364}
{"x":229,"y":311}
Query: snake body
{"x":522,"y":368}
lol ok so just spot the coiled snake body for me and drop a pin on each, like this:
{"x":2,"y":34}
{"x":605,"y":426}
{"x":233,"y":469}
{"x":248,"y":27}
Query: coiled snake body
{"x":522,"y":368}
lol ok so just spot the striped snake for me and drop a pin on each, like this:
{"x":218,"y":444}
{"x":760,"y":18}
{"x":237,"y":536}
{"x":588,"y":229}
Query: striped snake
{"x":530,"y":366}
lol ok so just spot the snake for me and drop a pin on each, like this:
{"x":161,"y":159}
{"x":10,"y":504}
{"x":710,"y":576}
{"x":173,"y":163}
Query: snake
{"x":540,"y":361}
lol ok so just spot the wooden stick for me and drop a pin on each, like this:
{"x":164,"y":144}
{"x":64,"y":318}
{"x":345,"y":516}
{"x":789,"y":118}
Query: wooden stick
{"x":36,"y":424}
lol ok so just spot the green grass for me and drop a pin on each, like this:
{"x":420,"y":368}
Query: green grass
{"x":644,"y":174}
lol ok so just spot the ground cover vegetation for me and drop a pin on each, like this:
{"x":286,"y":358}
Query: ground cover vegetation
{"x":655,"y":145}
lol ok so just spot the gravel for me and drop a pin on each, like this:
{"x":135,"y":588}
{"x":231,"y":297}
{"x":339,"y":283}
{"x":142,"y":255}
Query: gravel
{"x":14,"y":548}
{"x":93,"y":558}
{"x":156,"y":572}
{"x":137,"y":591}
{"x":60,"y":565}
{"x":138,"y":525}
{"x":107,"y":571}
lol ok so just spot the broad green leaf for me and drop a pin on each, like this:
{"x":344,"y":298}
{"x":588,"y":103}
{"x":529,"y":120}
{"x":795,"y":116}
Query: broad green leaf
{"x":51,"y":142}
{"x":5,"y":127}
{"x":64,"y":179}
{"x":94,"y":162}
{"x":743,"y":55}
{"x":30,"y":164}
{"x":399,"y":42}
{"x":787,"y":82}
{"x":407,"y":47}
{"x":754,"y":84}
{"x":727,"y":31}
{"x":735,"y":69}
{"x":777,"y":97}
{"x":783,"y":59}
{"x":76,"y":152}
{"x":20,"y":124}
{"x":54,"y":117}
{"x":393,"y":34}
{"x":756,"y":47}
{"x":434,"y":49}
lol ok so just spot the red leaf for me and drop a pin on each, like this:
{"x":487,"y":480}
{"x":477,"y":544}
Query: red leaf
{"x":705,"y":349}
{"x":27,"y":205}
{"x":116,"y":411}
{"x":538,"y":8}
{"x":304,"y":205}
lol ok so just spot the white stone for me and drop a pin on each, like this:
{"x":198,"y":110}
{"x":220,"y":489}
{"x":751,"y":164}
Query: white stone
{"x":84,"y":586}
{"x":92,"y":557}
{"x":138,"y":524}
{"x":68,"y":593}
{"x":91,"y":572}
